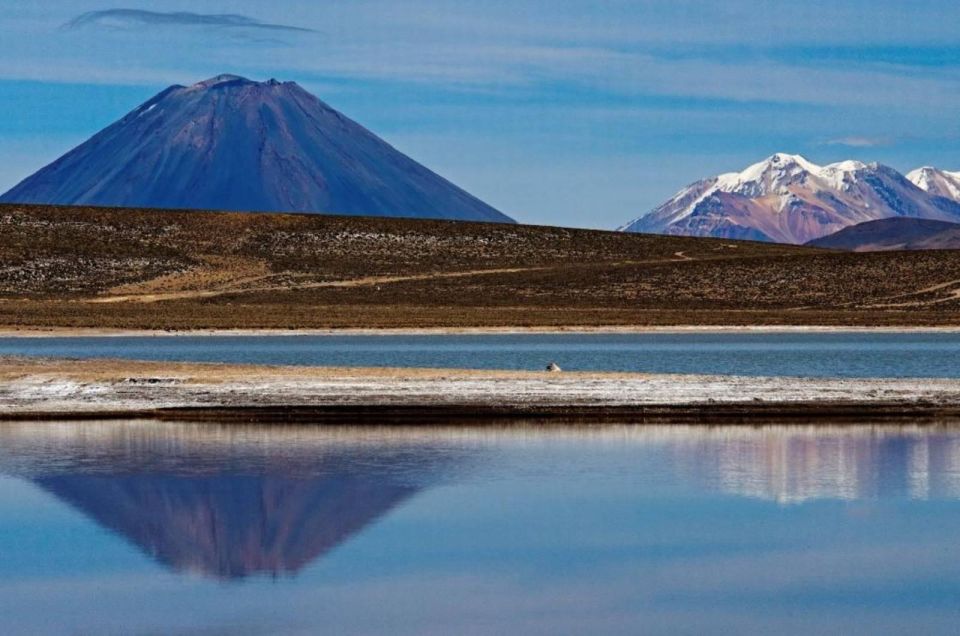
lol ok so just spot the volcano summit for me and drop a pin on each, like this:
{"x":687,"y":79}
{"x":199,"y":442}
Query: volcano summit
{"x":229,"y":143}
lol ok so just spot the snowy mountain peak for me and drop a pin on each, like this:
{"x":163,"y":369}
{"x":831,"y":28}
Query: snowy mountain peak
{"x":778,"y":163}
{"x":937,"y":182}
{"x":786,"y":159}
{"x":230,"y":143}
{"x":776,"y":173}
{"x":850,"y":165}
{"x":787,"y":198}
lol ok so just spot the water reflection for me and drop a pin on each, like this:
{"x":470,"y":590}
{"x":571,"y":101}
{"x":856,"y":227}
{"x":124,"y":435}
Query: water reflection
{"x":223,"y":502}
{"x":798,"y":464}
{"x":230,"y":526}
{"x":235,"y":501}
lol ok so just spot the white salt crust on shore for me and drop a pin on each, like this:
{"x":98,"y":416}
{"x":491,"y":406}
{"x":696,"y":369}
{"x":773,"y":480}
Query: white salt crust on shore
{"x":51,"y":391}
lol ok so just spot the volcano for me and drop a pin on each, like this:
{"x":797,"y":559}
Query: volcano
{"x":230,"y":143}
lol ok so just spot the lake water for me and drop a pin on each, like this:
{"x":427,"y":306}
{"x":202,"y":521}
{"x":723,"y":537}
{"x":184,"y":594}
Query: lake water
{"x":150,"y":528}
{"x":793,"y":354}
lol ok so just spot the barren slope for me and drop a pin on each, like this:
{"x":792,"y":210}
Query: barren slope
{"x":897,"y":233}
{"x":120,"y":268}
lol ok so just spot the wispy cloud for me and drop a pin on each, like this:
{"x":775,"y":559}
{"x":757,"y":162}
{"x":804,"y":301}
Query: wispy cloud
{"x":139,"y":17}
{"x":858,"y":142}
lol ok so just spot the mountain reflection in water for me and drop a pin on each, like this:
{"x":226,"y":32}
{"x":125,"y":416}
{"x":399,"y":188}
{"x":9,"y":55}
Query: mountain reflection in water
{"x":223,"y":503}
{"x":231,"y":526}
{"x":797,"y":464}
{"x":235,"y":501}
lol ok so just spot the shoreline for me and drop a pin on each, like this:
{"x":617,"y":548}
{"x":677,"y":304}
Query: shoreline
{"x":92,"y":332}
{"x":58,"y":389}
{"x":732,"y":414}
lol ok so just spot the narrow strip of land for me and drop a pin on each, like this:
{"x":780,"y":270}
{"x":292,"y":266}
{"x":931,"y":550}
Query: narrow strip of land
{"x":68,"y":389}
{"x":110,"y":332}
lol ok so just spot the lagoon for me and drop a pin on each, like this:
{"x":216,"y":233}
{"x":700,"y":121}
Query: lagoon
{"x":811,"y":354}
{"x":148,"y":527}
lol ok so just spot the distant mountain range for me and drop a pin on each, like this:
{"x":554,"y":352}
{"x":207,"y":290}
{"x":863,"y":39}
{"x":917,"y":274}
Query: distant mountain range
{"x":229,"y":143}
{"x":788,"y":199}
{"x":895,"y":233}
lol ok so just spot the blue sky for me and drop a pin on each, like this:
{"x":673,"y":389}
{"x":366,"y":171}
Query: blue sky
{"x":580,"y":113}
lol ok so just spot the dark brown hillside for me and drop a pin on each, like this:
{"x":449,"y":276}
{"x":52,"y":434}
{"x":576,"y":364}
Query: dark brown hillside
{"x":898,"y":233}
{"x":120,"y":268}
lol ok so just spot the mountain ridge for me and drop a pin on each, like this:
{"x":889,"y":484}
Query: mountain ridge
{"x":789,"y":199}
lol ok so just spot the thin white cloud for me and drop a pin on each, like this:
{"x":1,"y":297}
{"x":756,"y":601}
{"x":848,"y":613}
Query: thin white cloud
{"x":140,"y":17}
{"x":858,"y":142}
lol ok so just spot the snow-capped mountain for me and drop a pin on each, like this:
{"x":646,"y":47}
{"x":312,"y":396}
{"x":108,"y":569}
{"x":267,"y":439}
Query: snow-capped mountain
{"x":788,"y":199}
{"x":937,"y":182}
{"x":229,"y":143}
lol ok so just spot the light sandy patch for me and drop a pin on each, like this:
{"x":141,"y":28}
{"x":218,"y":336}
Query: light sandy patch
{"x":218,"y":275}
{"x":234,"y":285}
{"x":227,"y":275}
{"x":951,"y":295}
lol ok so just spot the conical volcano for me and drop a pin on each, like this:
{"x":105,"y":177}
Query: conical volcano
{"x":229,"y":143}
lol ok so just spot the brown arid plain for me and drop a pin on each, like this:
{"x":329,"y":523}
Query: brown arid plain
{"x":76,"y":268}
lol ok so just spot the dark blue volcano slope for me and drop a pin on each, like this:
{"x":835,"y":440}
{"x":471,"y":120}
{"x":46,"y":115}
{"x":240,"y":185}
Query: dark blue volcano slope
{"x":232,"y":144}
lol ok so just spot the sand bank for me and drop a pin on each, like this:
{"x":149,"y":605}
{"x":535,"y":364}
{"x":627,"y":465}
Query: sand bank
{"x":37,"y":388}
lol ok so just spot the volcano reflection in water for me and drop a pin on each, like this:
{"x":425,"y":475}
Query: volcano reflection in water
{"x":224,"y":503}
{"x":231,"y":526}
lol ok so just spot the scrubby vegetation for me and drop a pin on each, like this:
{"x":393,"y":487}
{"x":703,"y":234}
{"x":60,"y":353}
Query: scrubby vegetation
{"x":96,"y":267}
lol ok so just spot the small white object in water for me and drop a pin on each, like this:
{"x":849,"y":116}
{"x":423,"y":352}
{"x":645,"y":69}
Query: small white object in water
{"x":553,"y":367}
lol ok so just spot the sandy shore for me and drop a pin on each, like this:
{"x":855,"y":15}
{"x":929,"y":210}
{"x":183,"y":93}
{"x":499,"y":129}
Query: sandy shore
{"x":74,"y":332}
{"x":64,"y":389}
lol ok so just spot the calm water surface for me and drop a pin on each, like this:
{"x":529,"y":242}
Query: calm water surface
{"x":143,"y":527}
{"x":795,"y":354}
